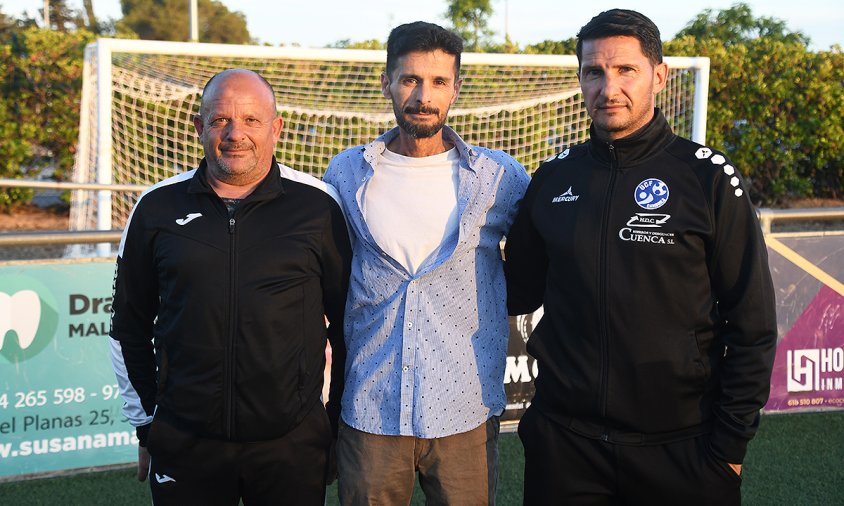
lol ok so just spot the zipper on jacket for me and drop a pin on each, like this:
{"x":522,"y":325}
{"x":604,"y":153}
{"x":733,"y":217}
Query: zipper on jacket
{"x":604,"y":283}
{"x":228,"y":387}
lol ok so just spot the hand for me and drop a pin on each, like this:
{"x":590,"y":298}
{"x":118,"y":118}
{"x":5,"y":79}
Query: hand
{"x":143,"y":463}
{"x":735,"y":467}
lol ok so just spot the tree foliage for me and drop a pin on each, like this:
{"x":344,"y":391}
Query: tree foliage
{"x":168,"y":20}
{"x":363,"y":44}
{"x":566,"y":46}
{"x":62,"y":17}
{"x":774,"y":107}
{"x":41,"y":72}
{"x":508,"y":46}
{"x":94,"y":25}
{"x":6,"y":23}
{"x":470,"y":19}
{"x":737,"y":25}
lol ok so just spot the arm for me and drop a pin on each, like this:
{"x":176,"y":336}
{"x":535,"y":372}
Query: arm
{"x":744,"y":291}
{"x":336,"y":268}
{"x":526,"y":262}
{"x":134,"y":309}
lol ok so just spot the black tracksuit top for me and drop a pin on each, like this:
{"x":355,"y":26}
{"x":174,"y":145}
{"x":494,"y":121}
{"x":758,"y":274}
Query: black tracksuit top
{"x":659,"y":312}
{"x":232,"y":306}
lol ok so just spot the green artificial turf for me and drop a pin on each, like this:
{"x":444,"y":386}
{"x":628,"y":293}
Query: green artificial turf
{"x":796,"y":459}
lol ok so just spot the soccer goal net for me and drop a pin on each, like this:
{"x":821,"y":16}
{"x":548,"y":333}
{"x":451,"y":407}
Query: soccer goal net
{"x":139,"y":98}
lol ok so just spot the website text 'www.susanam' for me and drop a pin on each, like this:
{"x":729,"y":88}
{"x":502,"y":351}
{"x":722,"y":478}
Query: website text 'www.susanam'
{"x":44,"y":446}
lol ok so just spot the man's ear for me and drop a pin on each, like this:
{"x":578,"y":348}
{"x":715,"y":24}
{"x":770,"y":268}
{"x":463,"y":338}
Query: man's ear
{"x":458,"y":83}
{"x":660,"y":77}
{"x":385,"y":86}
{"x":198,"y":124}
{"x":278,"y":123}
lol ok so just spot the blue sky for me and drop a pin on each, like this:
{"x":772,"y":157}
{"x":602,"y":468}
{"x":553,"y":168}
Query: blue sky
{"x":316,"y":23}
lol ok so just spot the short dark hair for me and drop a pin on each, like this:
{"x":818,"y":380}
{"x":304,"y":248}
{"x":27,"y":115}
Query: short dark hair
{"x":622,"y":22}
{"x":422,"y":36}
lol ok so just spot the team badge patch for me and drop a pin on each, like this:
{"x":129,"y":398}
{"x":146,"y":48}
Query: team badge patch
{"x":651,"y":194}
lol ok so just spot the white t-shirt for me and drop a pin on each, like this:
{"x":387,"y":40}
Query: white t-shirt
{"x":410,"y":204}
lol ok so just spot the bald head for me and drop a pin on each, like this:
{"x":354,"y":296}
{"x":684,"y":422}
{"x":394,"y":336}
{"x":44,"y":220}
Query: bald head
{"x":221,"y":78}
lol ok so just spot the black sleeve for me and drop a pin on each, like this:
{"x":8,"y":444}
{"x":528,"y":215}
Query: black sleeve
{"x":134,"y":308}
{"x":336,"y":268}
{"x":525,"y":257}
{"x":742,"y":285}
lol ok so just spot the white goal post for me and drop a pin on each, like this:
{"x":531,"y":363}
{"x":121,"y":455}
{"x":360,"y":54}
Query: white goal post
{"x":139,"y":98}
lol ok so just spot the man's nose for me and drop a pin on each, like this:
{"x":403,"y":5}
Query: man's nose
{"x":610,"y":85}
{"x":423,"y":93}
{"x":235,"y":130}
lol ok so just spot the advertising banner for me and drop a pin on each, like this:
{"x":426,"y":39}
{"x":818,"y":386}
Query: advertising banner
{"x":521,"y":368}
{"x":809,"y":367}
{"x":59,"y":401}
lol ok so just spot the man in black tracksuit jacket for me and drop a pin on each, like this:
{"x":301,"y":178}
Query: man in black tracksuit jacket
{"x":225,"y":275}
{"x":658,"y":336}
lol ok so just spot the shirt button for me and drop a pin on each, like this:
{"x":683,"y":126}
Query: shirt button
{"x":410,"y":325}
{"x":405,"y":368}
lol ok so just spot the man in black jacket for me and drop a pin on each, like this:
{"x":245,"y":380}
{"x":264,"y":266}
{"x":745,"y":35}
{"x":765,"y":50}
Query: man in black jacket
{"x":658,"y":337}
{"x":225,"y":275}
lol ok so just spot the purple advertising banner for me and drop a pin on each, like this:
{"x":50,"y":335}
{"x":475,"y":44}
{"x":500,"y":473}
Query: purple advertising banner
{"x":809,"y":367}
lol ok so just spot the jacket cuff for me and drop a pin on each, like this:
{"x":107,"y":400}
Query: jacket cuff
{"x":726,"y":445}
{"x":333,"y":413}
{"x":143,"y":433}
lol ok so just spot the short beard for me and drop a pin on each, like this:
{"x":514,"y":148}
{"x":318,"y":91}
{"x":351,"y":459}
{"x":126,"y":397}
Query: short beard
{"x":228,"y":174}
{"x":225,"y":167}
{"x":419,"y":131}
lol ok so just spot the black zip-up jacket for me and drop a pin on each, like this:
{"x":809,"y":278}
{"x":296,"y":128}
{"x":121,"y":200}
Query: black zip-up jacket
{"x":659,"y":315}
{"x":233,"y":307}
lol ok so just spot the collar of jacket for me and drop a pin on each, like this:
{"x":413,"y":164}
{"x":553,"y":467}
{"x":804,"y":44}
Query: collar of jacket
{"x":269,"y":187}
{"x":467,"y":154}
{"x":636,"y":147}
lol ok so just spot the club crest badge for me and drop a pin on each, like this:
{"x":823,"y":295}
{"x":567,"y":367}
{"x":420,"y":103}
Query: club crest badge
{"x":651,"y":194}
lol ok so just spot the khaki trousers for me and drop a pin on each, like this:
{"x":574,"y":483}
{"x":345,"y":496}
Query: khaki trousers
{"x":380,"y":470}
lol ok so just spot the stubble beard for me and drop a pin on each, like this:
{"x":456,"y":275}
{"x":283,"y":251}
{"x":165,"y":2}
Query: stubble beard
{"x":236,"y":176}
{"x":617,"y":127}
{"x":610,"y":126}
{"x":419,"y":130}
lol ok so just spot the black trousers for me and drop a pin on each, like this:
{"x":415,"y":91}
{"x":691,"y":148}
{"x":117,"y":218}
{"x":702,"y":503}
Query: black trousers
{"x":563,"y":467}
{"x":187,"y":470}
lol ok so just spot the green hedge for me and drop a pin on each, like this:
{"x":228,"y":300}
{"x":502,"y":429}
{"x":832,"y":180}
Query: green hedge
{"x":39,"y":103}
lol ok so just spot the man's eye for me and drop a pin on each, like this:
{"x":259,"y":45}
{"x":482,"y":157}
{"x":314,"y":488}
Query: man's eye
{"x":219,"y":121}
